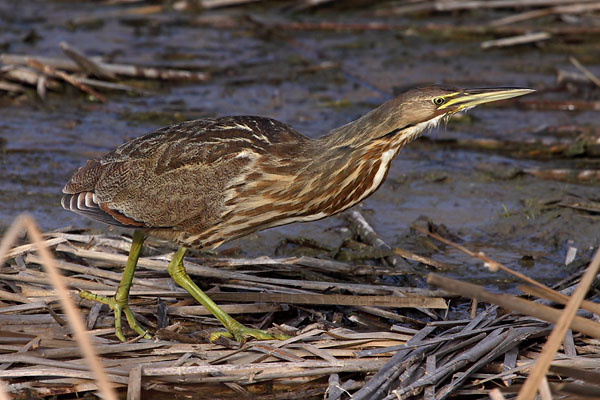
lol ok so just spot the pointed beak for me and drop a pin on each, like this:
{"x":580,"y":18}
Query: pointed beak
{"x":473,"y":97}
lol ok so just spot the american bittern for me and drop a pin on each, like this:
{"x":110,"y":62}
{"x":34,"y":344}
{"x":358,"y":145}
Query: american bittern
{"x":201,"y":183}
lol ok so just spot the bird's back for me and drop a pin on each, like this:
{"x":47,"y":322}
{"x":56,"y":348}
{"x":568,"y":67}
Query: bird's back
{"x":176,"y":181}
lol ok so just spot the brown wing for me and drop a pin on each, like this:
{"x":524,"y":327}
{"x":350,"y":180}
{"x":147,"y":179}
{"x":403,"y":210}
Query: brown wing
{"x":175,"y":176}
{"x":85,"y":203}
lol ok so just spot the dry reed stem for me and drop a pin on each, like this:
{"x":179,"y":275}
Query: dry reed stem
{"x":585,"y":71}
{"x":124,"y":70}
{"x":494,"y":266}
{"x":516,"y":40}
{"x":48,"y":70}
{"x":86,"y":64}
{"x":545,"y":392}
{"x":25,"y":222}
{"x":542,"y":364}
{"x":496,"y":394}
{"x":3,"y":395}
{"x":533,"y":14}
{"x":514,"y":304}
{"x":336,"y":349}
{"x":534,"y":291}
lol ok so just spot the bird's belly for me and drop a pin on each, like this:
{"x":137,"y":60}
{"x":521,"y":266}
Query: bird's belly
{"x":260,"y":211}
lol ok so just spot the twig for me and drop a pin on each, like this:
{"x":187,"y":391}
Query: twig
{"x":516,"y":40}
{"x":85,"y":63}
{"x":562,"y":299}
{"x":556,"y":337}
{"x":566,"y":9}
{"x":134,"y":383}
{"x":496,"y":394}
{"x":565,"y":174}
{"x":128,"y":70}
{"x":211,"y":4}
{"x":335,"y":299}
{"x":462,"y":360}
{"x":26,"y":75}
{"x":514,"y":304}
{"x":15,"y":251}
{"x":494,"y":266}
{"x":3,"y":395}
{"x":112,"y":86}
{"x":368,"y":234}
{"x":25,"y":222}
{"x":246,"y":372}
{"x":200,"y":270}
{"x":390,"y":371}
{"x":11,"y":87}
{"x":513,"y":337}
{"x":585,"y":71}
{"x":422,"y":259}
{"x":48,"y":70}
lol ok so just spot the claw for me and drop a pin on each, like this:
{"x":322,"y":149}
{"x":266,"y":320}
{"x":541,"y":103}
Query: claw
{"x":118,"y":308}
{"x":241,"y":333}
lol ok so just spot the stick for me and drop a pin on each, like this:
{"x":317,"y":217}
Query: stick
{"x":48,"y":70}
{"x":85,"y":63}
{"x":516,"y":40}
{"x":75,"y":322}
{"x":368,"y":234}
{"x":419,"y":258}
{"x":334,"y":299}
{"x":15,"y":251}
{"x":27,"y":75}
{"x":496,"y":394}
{"x":585,"y":71}
{"x":129,"y":70}
{"x":493,"y":265}
{"x":514,"y":304}
{"x":199,"y":270}
{"x":3,"y":395}
{"x":134,"y":388}
{"x":558,"y":333}
{"x":11,"y":87}
{"x":568,"y":9}
{"x":566,"y":175}
{"x":210,"y":4}
{"x":392,"y":368}
{"x":563,"y":299}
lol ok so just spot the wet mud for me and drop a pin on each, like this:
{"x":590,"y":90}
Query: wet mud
{"x":492,"y":200}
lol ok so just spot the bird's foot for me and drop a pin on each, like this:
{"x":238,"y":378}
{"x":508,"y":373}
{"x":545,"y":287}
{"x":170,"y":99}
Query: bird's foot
{"x":240,"y":333}
{"x":118,"y":308}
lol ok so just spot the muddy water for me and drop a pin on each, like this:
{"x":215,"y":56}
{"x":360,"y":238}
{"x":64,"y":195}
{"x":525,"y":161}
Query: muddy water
{"x":508,"y":217}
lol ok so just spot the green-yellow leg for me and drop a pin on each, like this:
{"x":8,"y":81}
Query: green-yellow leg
{"x":234,"y":329}
{"x":119,"y":303}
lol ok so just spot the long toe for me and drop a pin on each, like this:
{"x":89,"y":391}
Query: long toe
{"x":133,"y":324}
{"x":241,"y":333}
{"x":118,"y":309}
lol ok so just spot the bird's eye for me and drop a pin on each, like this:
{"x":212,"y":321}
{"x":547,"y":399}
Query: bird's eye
{"x":438,"y":101}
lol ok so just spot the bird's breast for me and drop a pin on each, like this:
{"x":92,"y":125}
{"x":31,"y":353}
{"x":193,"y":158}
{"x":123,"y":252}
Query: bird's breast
{"x":262,"y":199}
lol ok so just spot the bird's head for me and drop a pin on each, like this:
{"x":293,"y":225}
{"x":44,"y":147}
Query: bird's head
{"x":426,"y":104}
{"x":412,"y":112}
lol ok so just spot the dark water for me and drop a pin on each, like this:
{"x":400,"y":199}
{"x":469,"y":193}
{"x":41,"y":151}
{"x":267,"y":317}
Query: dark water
{"x":278,"y":75}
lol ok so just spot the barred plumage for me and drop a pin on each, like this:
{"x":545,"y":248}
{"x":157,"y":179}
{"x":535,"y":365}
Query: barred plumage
{"x":201,"y":183}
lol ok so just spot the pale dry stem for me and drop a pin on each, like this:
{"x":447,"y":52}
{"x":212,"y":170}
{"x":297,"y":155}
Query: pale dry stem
{"x":25,"y":222}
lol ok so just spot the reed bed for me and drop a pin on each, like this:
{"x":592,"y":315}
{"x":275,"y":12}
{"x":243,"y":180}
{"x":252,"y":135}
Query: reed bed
{"x":350,"y":337}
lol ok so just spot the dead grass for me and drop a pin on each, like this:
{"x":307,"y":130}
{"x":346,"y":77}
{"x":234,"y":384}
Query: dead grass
{"x":349,"y":338}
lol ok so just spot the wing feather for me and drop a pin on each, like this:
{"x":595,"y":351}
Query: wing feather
{"x":175,"y":177}
{"x":85,"y":203}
